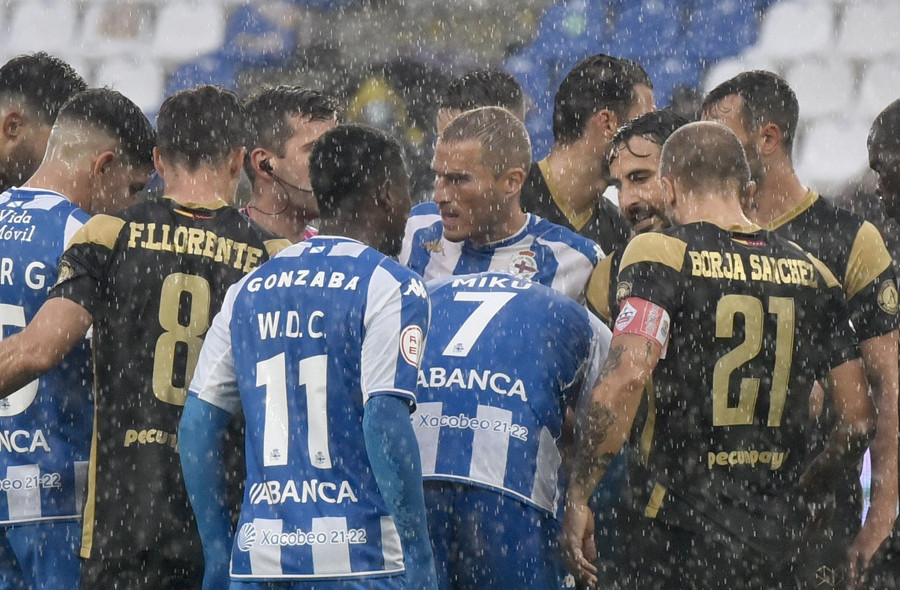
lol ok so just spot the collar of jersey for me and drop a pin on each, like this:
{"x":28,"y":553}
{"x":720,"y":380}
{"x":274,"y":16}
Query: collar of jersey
{"x":213,"y":206}
{"x":529,"y":218}
{"x":36,"y":191}
{"x":807,"y":202}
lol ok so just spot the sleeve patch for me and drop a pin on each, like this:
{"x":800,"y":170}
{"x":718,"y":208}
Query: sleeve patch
{"x":411,"y":345}
{"x":644,"y":318}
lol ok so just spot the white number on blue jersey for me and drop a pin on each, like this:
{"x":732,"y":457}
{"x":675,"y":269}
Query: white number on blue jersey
{"x":18,"y":402}
{"x":271,"y":374}
{"x":468,"y":333}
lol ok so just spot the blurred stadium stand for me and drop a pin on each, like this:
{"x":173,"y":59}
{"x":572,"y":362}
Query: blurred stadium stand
{"x":839,"y":55}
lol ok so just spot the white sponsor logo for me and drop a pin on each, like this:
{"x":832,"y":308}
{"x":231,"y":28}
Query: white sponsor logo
{"x":416,"y":288}
{"x":272,"y":492}
{"x":246,"y":538}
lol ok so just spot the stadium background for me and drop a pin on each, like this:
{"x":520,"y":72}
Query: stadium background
{"x":390,"y":59}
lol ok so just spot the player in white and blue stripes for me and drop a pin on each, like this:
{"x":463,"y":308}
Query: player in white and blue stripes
{"x":99,"y":154}
{"x":320,"y":347}
{"x":506,"y":359}
{"x":476,"y":223}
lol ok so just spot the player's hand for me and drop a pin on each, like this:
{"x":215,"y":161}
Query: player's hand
{"x":571,"y":541}
{"x":860,"y":554}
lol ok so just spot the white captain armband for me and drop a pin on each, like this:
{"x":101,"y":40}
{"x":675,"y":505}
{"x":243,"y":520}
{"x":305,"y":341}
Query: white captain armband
{"x":644,"y":318}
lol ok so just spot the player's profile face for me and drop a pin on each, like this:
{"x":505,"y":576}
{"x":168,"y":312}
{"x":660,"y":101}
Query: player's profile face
{"x":729,"y":112}
{"x":294,"y":166}
{"x":884,"y":160}
{"x":635,"y":172}
{"x":466,"y":192}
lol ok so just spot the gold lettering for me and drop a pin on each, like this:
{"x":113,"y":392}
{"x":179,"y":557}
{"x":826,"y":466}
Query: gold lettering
{"x":253,"y":255}
{"x":239,"y":249}
{"x":737,"y":264}
{"x":696,"y":264}
{"x":209,"y":245}
{"x":136,"y":230}
{"x":166,"y":242}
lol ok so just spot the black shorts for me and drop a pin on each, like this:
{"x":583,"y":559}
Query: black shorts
{"x":148,"y":570}
{"x":659,"y":557}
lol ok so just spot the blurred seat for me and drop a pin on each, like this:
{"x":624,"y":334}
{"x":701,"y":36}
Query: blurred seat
{"x":720,"y":28}
{"x":141,"y":80}
{"x":869,"y":30}
{"x":833,"y":150}
{"x":823,"y":87}
{"x":260,"y":34}
{"x":114,"y":28}
{"x":42,"y":25}
{"x":187,"y":30}
{"x":210,"y":69}
{"x":880,"y":86}
{"x":670,"y":72}
{"x":644,"y":29}
{"x":795,"y":29}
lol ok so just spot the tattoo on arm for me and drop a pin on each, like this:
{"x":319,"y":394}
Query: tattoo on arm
{"x":594,"y":430}
{"x":613,"y":360}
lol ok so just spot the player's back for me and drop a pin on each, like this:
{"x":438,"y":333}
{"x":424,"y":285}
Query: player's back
{"x":305,"y":368}
{"x":754,"y":321}
{"x":45,"y":426}
{"x":505,"y":357}
{"x":160,"y":271}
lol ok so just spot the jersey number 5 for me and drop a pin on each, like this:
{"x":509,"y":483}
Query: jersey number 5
{"x":184,"y":315}
{"x":752,"y":309}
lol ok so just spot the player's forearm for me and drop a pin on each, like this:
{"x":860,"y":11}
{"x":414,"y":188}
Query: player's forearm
{"x":602,"y":425}
{"x":394,"y":456}
{"x":201,"y":436}
{"x":17,"y":366}
{"x":880,"y":359}
{"x":845,"y":446}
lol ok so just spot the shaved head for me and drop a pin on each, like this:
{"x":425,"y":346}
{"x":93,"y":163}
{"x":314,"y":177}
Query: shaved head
{"x":884,"y":157}
{"x":705,"y":157}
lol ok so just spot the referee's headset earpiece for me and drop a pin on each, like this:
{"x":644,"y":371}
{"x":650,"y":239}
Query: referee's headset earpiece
{"x":266,"y":166}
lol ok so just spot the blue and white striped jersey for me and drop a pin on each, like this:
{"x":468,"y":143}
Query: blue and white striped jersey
{"x":505,"y":357}
{"x":301,"y":344}
{"x":541,"y":251}
{"x":45,"y":427}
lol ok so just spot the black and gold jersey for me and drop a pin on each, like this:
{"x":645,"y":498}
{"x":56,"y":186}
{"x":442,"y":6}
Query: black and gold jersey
{"x":605,"y":226}
{"x":854,"y":250}
{"x":152,"y":276}
{"x":602,"y":287}
{"x":754,"y":321}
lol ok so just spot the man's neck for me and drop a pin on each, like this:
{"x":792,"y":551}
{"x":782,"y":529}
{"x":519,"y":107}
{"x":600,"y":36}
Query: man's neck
{"x":203,"y":186}
{"x":779,"y":192}
{"x":723,"y":211}
{"x":49,"y":178}
{"x":278,"y":216}
{"x":577,"y":175}
{"x":513,"y":225}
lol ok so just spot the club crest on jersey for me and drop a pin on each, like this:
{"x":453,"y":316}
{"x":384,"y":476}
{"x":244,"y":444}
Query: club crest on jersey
{"x":524,"y":264}
{"x":246,"y":538}
{"x":887,"y":297}
{"x":434,"y":246}
{"x":64,"y":272}
{"x":623,"y":291}
{"x":411,"y":344}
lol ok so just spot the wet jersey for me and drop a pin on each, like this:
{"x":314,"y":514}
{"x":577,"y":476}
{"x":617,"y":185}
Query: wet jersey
{"x":301,"y":345}
{"x":541,"y":251}
{"x":605,"y":225}
{"x":505,"y":358}
{"x":152,"y":277}
{"x":601,"y":290}
{"x":754,"y":321}
{"x":45,"y":427}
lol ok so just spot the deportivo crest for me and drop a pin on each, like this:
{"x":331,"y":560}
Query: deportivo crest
{"x":887,"y":297}
{"x":524,"y":264}
{"x":64,"y":272}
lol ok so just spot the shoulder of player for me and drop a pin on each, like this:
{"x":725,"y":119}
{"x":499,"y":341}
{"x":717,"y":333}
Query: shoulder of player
{"x":100,"y":230}
{"x":667,"y":248}
{"x":597,"y":291}
{"x":550,"y":233}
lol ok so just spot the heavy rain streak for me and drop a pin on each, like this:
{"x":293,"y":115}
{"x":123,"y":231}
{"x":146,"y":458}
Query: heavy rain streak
{"x":449,"y":295}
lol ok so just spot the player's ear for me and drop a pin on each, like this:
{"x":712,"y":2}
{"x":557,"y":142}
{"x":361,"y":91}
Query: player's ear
{"x":605,"y":122}
{"x":669,"y":191}
{"x":102,"y":163}
{"x":513,"y":180}
{"x":257,"y":156}
{"x":769,"y":138}
{"x":11,"y":125}
{"x":158,"y":164}
{"x":237,"y":163}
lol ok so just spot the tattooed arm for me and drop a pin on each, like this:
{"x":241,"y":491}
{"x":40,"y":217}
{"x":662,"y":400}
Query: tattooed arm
{"x":602,"y":426}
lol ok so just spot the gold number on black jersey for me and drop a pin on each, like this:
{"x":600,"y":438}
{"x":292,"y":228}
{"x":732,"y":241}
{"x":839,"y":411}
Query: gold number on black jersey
{"x":172,"y":301}
{"x":751,"y":309}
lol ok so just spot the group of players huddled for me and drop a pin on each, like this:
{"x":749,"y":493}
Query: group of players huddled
{"x":515,"y":385}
